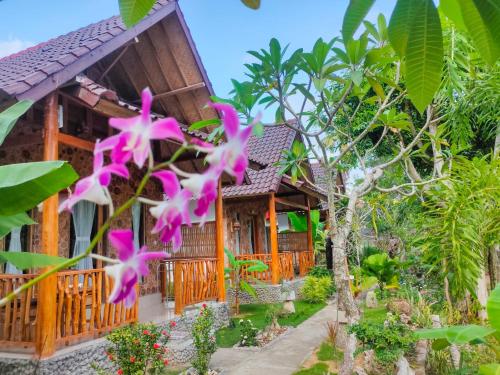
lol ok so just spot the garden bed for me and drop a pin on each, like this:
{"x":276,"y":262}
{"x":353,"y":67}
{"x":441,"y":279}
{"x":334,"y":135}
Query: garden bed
{"x":229,"y":336}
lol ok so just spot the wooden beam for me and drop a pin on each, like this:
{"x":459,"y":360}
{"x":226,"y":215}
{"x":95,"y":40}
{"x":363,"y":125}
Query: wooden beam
{"x":219,"y":243}
{"x":309,"y":227}
{"x":71,"y":140}
{"x":46,"y":311}
{"x":290,"y":203}
{"x":112,"y":64}
{"x":181,"y":90}
{"x":273,"y":230}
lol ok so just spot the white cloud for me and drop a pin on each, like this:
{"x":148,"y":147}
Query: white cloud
{"x":13,"y":45}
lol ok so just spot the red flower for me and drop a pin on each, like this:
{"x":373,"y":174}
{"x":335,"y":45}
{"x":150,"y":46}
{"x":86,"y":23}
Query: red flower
{"x":132,"y":359}
{"x":165,"y":362}
{"x":164,"y":333}
{"x":156,"y":346}
{"x":173,"y":324}
{"x":146,"y":332}
{"x":204,"y":305}
{"x":120,"y":372}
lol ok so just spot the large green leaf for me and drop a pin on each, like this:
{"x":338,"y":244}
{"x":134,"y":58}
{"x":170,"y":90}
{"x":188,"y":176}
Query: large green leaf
{"x":132,"y":11}
{"x":246,"y":287}
{"x":23,"y":260}
{"x":424,"y":56}
{"x":484,"y":42}
{"x":493,"y":308}
{"x":490,"y":13}
{"x":8,"y":118}
{"x":231,"y":258}
{"x":456,"y":334}
{"x":400,"y":23}
{"x":23,"y":186}
{"x":354,"y":15}
{"x":451,"y":9}
{"x":490,"y":369}
{"x":259,"y":266}
{"x":7,"y":223}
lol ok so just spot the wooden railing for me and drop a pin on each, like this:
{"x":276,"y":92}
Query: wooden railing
{"x":306,"y":261}
{"x":264,"y":276}
{"x":286,"y":265}
{"x":82,"y":310}
{"x":194,"y":281}
{"x":18,"y":317}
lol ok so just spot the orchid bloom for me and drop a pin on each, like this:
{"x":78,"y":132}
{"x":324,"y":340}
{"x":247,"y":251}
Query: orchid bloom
{"x":234,"y":152}
{"x":173,"y":212}
{"x":132,"y":264}
{"x":203,"y":187}
{"x":134,"y":140}
{"x":94,"y":188}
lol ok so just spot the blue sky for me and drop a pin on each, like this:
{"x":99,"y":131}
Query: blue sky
{"x":223,"y":30}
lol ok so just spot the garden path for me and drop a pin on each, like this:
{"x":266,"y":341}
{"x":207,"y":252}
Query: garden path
{"x":284,"y":355}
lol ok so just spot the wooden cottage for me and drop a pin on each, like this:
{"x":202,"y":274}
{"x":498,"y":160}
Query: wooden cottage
{"x":77,"y":82}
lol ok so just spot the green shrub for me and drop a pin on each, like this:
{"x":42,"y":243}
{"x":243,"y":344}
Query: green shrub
{"x":320,"y":271}
{"x":316,"y":289}
{"x":389,"y":341}
{"x":203,"y":339}
{"x":248,"y":335}
{"x":138,"y":349}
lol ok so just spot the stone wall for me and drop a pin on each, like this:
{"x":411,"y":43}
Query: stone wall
{"x":268,"y":293}
{"x":78,"y":360}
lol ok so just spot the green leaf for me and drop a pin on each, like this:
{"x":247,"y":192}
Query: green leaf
{"x":399,"y":24}
{"x":7,"y":223}
{"x":458,"y":335}
{"x":261,"y":267}
{"x":246,"y":287}
{"x":440,"y":344}
{"x":132,"y":11}
{"x":490,"y":369}
{"x":23,"y":186}
{"x":354,"y":15}
{"x":479,"y":27}
{"x":357,"y":77}
{"x":254,"y":4}
{"x":451,"y":9}
{"x":9,"y":117}
{"x":204,"y":123}
{"x":493,"y":307}
{"x":230,"y":256}
{"x":424,"y":56}
{"x":23,"y":260}
{"x":377,"y":87}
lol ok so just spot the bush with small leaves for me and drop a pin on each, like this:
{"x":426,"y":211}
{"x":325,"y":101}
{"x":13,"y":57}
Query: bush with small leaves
{"x":248,"y":336}
{"x":203,"y":339}
{"x":317,"y":289}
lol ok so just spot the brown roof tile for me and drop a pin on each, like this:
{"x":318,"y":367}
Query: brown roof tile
{"x":23,"y":70}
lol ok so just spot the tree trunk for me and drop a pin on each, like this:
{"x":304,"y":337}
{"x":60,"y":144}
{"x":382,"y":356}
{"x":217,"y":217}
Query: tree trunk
{"x":339,"y":234}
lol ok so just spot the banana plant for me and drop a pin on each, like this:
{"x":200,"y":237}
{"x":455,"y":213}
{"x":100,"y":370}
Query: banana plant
{"x":384,"y":269}
{"x":472,"y":334}
{"x":234,"y":272}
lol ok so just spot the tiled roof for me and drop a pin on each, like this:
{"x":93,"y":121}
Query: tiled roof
{"x":319,"y":176}
{"x":24,"y":70}
{"x":266,"y":151}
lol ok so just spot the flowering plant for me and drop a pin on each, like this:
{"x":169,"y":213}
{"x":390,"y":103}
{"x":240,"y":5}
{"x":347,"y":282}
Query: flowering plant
{"x":138,"y":349}
{"x":203,"y":339}
{"x":248,"y":335}
{"x":133,"y":144}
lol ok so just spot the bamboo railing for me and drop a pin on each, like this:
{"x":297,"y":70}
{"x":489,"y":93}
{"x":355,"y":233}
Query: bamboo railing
{"x":306,"y":261}
{"x":264,"y":276}
{"x":82,"y":311}
{"x":286,"y":265}
{"x":194,"y":281}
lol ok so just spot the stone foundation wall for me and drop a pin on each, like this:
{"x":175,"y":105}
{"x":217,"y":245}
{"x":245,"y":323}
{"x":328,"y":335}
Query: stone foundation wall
{"x":268,"y":293}
{"x":78,"y":360}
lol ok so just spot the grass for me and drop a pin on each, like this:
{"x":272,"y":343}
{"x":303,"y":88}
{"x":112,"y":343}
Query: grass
{"x":317,"y":369}
{"x":375,"y":315}
{"x":229,"y":336}
{"x":327,"y":352}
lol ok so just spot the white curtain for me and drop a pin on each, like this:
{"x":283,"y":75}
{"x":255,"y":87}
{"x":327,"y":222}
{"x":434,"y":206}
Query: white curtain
{"x":283,"y":222}
{"x":83,"y":220}
{"x":136,"y":222}
{"x":14,"y":246}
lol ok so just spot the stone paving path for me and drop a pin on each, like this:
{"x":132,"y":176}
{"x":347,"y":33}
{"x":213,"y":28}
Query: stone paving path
{"x":283,"y":356}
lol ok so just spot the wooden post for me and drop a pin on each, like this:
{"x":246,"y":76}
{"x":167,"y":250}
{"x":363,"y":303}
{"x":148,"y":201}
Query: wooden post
{"x":273,"y":229}
{"x":178,"y":287}
{"x":310,"y":246}
{"x":219,"y":244}
{"x":46,"y":308}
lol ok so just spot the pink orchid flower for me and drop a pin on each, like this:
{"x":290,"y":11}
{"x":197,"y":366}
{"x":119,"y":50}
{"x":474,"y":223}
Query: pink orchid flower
{"x":132,"y":264}
{"x":173,"y":212}
{"x":234,"y":152}
{"x":94,"y":188}
{"x":134,"y":140}
{"x":204,"y":188}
